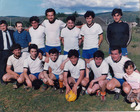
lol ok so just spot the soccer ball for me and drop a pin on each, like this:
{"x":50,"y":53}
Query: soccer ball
{"x":71,"y":96}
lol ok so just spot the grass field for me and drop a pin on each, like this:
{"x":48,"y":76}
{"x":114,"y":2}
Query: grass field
{"x":36,"y":101}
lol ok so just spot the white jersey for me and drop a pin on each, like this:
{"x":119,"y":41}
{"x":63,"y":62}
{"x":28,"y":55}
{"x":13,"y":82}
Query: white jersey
{"x":52,"y":31}
{"x":38,"y":36}
{"x":34,"y":65}
{"x":55,"y":66}
{"x":17,"y":63}
{"x":71,"y":38}
{"x":91,"y":35}
{"x":117,"y":66}
{"x":103,"y":69}
{"x":75,"y":69}
{"x":133,"y":80}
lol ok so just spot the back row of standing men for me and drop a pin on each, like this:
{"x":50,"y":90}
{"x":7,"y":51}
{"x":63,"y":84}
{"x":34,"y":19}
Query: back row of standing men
{"x":55,"y":30}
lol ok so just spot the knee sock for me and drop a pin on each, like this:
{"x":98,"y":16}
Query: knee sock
{"x":60,"y":83}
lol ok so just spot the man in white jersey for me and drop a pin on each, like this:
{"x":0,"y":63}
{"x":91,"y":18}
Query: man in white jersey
{"x":76,"y":67}
{"x":70,"y":35}
{"x":100,"y":70}
{"x":92,"y":36}
{"x":54,"y":63}
{"x":34,"y":65}
{"x":16,"y":60}
{"x":52,"y":30}
{"x":116,"y":61}
{"x":37,"y":33}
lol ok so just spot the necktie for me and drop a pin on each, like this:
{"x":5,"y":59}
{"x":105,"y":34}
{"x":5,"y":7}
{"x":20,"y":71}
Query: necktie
{"x":8,"y":43}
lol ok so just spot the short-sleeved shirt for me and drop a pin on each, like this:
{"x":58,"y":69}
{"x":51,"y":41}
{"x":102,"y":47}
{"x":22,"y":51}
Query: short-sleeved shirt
{"x":23,"y":38}
{"x":133,"y":80}
{"x":38,"y":36}
{"x":103,"y":69}
{"x":34,"y":65}
{"x":71,"y":37}
{"x":17,"y":63}
{"x":91,"y":35}
{"x":52,"y":31}
{"x":117,"y":66}
{"x":55,"y":66}
{"x":75,"y":69}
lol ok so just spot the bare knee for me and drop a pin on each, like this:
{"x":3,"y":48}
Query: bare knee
{"x":101,"y":83}
{"x":109,"y":86}
{"x":84,"y":83}
{"x":126,"y":87}
{"x":61,"y":77}
{"x":20,"y":80}
{"x":89,"y":90}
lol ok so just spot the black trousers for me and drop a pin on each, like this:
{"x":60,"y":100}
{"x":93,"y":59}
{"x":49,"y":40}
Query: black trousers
{"x":3,"y":62}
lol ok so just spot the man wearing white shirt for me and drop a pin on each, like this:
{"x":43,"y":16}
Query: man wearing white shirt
{"x":52,"y":30}
{"x":55,"y":62}
{"x":70,"y":35}
{"x":92,"y":36}
{"x":76,"y":67}
{"x":116,"y":61}
{"x":34,"y":65}
{"x":16,"y":60}
{"x":37,"y":33}
{"x":101,"y":75}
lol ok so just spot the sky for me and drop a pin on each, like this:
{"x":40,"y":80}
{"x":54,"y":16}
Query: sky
{"x":28,"y":8}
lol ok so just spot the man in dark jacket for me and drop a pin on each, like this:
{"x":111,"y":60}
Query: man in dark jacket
{"x":6,"y":41}
{"x":118,"y":32}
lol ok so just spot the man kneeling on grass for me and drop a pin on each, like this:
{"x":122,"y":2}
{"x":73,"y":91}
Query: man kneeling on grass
{"x":16,"y":60}
{"x":56,"y":63}
{"x":76,"y":67}
{"x":34,"y":65}
{"x":100,"y":69}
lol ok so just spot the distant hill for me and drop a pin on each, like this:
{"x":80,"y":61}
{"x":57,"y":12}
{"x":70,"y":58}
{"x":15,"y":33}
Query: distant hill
{"x":128,"y":16}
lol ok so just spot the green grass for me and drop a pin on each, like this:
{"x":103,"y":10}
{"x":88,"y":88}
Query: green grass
{"x":36,"y":101}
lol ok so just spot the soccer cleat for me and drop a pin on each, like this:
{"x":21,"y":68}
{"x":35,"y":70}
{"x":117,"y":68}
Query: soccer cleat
{"x":83,"y":92}
{"x":137,"y":107}
{"x":116,"y":96}
{"x":133,"y":104}
{"x":98,"y":93}
{"x":61,"y":91}
{"x":44,"y":87}
{"x":54,"y":88}
{"x":103,"y":97}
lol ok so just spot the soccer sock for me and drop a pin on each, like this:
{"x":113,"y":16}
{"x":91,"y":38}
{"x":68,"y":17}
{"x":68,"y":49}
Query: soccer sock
{"x":83,"y":88}
{"x":103,"y":93}
{"x":60,"y":83}
{"x":117,"y":90}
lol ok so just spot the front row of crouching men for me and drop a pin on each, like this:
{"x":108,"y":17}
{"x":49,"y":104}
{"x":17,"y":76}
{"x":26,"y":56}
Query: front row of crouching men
{"x":69,"y":71}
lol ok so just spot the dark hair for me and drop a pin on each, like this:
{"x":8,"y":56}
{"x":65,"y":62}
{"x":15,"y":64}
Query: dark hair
{"x":34,"y":18}
{"x":15,"y":46}
{"x":73,"y":52}
{"x":72,"y":18}
{"x":3,"y":22}
{"x":18,"y":22}
{"x":116,"y":48}
{"x":128,"y":63}
{"x":50,"y":10}
{"x":32,"y":46}
{"x":53,"y":51}
{"x":89,"y":13}
{"x":98,"y":54}
{"x":117,"y":10}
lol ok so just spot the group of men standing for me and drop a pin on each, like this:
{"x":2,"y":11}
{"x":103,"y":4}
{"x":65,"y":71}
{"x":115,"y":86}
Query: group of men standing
{"x":43,"y":43}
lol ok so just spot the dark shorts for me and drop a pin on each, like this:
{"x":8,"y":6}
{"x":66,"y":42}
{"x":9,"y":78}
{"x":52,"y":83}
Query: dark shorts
{"x":48,"y":48}
{"x":57,"y":76}
{"x":19,"y":73}
{"x":43,"y":50}
{"x":121,"y":81}
{"x":36,"y":74}
{"x":124,"y":51}
{"x":88,"y":53}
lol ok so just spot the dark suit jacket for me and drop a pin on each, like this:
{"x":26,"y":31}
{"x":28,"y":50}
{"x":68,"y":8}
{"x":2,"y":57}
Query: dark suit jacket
{"x":1,"y":38}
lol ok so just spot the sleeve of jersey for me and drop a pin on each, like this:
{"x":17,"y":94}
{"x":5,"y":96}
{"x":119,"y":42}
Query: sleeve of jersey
{"x":100,"y":31}
{"x":25,"y":63}
{"x":43,"y":58}
{"x":105,"y":69}
{"x":46,"y":66}
{"x":9,"y":61}
{"x":82,"y":31}
{"x":79,"y":36}
{"x":66,"y":67}
{"x":63,"y":24}
{"x":62,"y":33}
{"x":82,"y":65}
